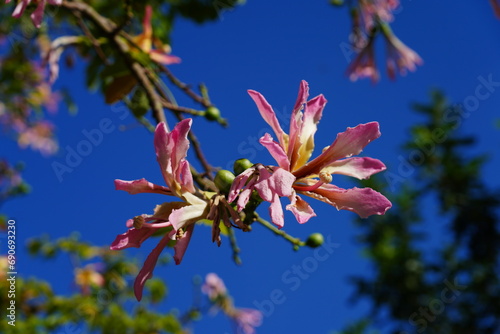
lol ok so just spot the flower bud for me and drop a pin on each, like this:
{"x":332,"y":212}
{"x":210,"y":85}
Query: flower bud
{"x":212,"y":113}
{"x":223,"y":180}
{"x":241,"y":165}
{"x":315,"y":240}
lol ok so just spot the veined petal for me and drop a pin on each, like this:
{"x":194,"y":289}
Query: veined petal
{"x":348,"y":143}
{"x":238,"y":183}
{"x":364,"y":201}
{"x":141,"y":186}
{"x":312,"y":115}
{"x":279,"y":182}
{"x":148,"y":267}
{"x":186,"y":177}
{"x":132,"y":238}
{"x":171,"y":149}
{"x":296,"y":122}
{"x":186,"y":215}
{"x":182,"y":244}
{"x":276,"y":212}
{"x":267,"y":113}
{"x":361,"y":168}
{"x":275,"y":150}
{"x":300,"y":209}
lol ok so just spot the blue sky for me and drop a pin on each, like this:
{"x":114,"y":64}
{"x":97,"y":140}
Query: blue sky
{"x":268,"y":47}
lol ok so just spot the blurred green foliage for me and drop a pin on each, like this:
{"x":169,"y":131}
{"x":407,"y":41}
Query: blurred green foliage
{"x":417,"y":286}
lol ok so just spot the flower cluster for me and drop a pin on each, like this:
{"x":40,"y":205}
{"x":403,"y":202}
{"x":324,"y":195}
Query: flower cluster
{"x":369,"y":20}
{"x":245,"y":319}
{"x":295,"y":176}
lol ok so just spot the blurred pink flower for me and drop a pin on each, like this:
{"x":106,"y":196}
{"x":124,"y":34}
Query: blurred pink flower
{"x":37,"y":15}
{"x":373,"y":10}
{"x":363,"y":66}
{"x":88,"y":276}
{"x":39,"y":136}
{"x":214,"y":286}
{"x":246,"y":320}
{"x":171,"y":150}
{"x":400,"y":58}
{"x":297,"y":175}
{"x":146,"y":41}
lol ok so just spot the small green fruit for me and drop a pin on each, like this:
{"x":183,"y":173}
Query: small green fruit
{"x":315,"y":240}
{"x":212,"y":113}
{"x":223,"y":180}
{"x":241,"y":165}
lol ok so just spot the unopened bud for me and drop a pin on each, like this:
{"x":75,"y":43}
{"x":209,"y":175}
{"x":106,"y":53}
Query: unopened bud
{"x":241,"y":165}
{"x":315,"y":240}
{"x":223,"y":180}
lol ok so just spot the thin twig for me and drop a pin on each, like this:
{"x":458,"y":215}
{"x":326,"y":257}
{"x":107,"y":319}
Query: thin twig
{"x":296,"y":242}
{"x":201,"y":100}
{"x":234,"y":246}
{"x":138,"y":71}
{"x":91,"y":37}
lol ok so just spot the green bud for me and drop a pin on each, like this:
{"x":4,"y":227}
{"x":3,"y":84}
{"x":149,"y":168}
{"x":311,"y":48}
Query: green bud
{"x":241,"y":165}
{"x":223,"y":180}
{"x":212,"y":113}
{"x":315,"y":240}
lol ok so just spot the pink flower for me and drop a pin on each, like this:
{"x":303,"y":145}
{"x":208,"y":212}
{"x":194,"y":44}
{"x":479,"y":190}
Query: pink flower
{"x":373,"y":10}
{"x":297,"y":175}
{"x":177,"y":218}
{"x":400,"y":58}
{"x":214,"y":286}
{"x":270,"y":183}
{"x":38,"y":136}
{"x":146,"y":41}
{"x":246,"y":320}
{"x":37,"y":15}
{"x":363,"y":66}
{"x":89,"y":276}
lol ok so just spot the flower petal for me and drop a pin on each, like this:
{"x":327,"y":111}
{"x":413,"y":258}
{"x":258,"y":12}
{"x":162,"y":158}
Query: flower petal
{"x":300,"y":209}
{"x":148,"y":267}
{"x":364,"y":201}
{"x":296,"y":121}
{"x":186,"y":215}
{"x":132,"y":238}
{"x":141,"y":186}
{"x":361,"y":168}
{"x":19,"y":10}
{"x":312,"y":115}
{"x":239,"y":183}
{"x":275,"y":150}
{"x":348,"y":143}
{"x":37,"y":15}
{"x":267,"y":113}
{"x":276,"y":212}
{"x":279,"y":182}
{"x":182,"y":244}
{"x":163,"y":58}
{"x":171,"y":150}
